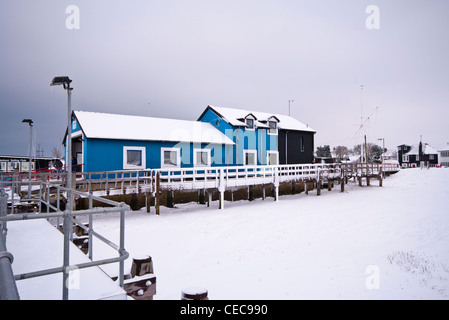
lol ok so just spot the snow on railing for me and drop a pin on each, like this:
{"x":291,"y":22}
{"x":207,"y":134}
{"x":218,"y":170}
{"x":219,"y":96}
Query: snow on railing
{"x":206,"y":177}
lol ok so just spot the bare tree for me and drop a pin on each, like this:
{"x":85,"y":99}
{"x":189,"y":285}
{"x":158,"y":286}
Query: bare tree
{"x":341,"y":152}
{"x":56,"y":153}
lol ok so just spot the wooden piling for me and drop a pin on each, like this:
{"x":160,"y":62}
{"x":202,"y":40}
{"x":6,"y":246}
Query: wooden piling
{"x":158,"y":193}
{"x":251,"y":193}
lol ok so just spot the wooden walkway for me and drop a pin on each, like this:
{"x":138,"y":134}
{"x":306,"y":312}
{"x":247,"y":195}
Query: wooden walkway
{"x":215,"y":179}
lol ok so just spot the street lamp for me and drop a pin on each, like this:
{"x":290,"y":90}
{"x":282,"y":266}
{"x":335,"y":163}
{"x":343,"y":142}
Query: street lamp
{"x":383,"y":148}
{"x":30,"y":123}
{"x":289,"y":101}
{"x":65,"y":82}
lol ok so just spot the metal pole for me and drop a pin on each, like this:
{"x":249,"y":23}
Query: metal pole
{"x":67,"y":231}
{"x":69,"y":140}
{"x":122,"y":246}
{"x":29,"y":171}
{"x":8,"y":288}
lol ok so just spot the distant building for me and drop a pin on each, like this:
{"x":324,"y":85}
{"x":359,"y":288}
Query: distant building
{"x":444,"y":156}
{"x":418,"y":155}
{"x":22,"y":163}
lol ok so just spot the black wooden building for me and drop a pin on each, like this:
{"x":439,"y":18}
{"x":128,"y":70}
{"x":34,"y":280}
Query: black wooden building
{"x":296,"y":146}
{"x":418,"y":155}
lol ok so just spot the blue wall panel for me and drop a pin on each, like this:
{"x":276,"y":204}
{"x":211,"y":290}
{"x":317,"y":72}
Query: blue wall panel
{"x":107,"y":155}
{"x":257,"y":139}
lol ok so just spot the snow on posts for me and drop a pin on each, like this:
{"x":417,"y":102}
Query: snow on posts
{"x":142,"y":265}
{"x":221,"y":188}
{"x":142,"y":285}
{"x":158,"y":193}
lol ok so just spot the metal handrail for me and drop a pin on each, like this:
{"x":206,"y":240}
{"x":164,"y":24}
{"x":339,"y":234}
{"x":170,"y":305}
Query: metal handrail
{"x":68,"y":216}
{"x":8,"y":288}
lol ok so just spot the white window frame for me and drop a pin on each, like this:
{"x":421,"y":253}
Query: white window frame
{"x":195,"y":157}
{"x":3,"y":165}
{"x":13,"y":165}
{"x":245,"y":152}
{"x":405,"y":158}
{"x":254,"y":123}
{"x":127,"y":166}
{"x":178,"y":158}
{"x":269,"y":129}
{"x":268,"y":158}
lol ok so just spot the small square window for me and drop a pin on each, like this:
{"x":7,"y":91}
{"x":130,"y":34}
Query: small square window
{"x":249,"y":157}
{"x":171,"y":157}
{"x":202,"y":158}
{"x":272,"y":158}
{"x":134,"y":158}
{"x":273,"y":127}
{"x":250,"y":123}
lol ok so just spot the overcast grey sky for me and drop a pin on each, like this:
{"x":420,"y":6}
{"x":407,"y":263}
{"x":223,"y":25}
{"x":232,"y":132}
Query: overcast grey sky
{"x":181,"y":56}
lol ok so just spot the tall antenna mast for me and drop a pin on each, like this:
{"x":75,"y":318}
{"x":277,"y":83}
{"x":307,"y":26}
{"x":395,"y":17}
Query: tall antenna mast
{"x":362,"y":145}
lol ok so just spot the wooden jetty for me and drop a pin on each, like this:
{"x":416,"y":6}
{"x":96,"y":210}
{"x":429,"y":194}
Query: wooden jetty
{"x":214,"y":181}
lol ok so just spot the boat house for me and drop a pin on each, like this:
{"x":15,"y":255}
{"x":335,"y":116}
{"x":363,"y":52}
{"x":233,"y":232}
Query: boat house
{"x":111,"y":142}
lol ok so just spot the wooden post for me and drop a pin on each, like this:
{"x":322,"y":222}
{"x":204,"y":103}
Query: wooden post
{"x":276,"y":192}
{"x":318,"y":187}
{"x":342,"y":184}
{"x":380,"y":180}
{"x":209,"y":198}
{"x":276,"y":184}
{"x":306,"y":190}
{"x":221,"y":199}
{"x":158,"y":196}
{"x":263,"y":192}
{"x":148,"y":201}
{"x":329,"y":185}
{"x":251,"y":193}
{"x":201,"y":197}
{"x":170,"y":199}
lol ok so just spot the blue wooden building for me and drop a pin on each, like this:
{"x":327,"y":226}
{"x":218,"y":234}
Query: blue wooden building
{"x":110,"y":142}
{"x":220,"y":137}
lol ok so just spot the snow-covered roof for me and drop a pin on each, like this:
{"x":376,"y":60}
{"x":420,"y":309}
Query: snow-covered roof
{"x":127,"y":127}
{"x":426,"y":149}
{"x":235,"y":117}
{"x":445,"y":148}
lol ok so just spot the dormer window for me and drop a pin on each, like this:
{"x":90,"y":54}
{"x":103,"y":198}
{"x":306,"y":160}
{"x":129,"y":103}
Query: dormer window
{"x":250,"y":122}
{"x":272,"y":126}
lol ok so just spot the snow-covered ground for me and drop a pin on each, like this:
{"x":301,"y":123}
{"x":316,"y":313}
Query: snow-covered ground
{"x":367,"y":243}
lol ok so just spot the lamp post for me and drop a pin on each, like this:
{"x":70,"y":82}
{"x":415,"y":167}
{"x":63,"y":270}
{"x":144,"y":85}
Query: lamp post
{"x":383,"y":148}
{"x":68,"y":229}
{"x":289,"y":102}
{"x":65,"y":82}
{"x":30,"y":123}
